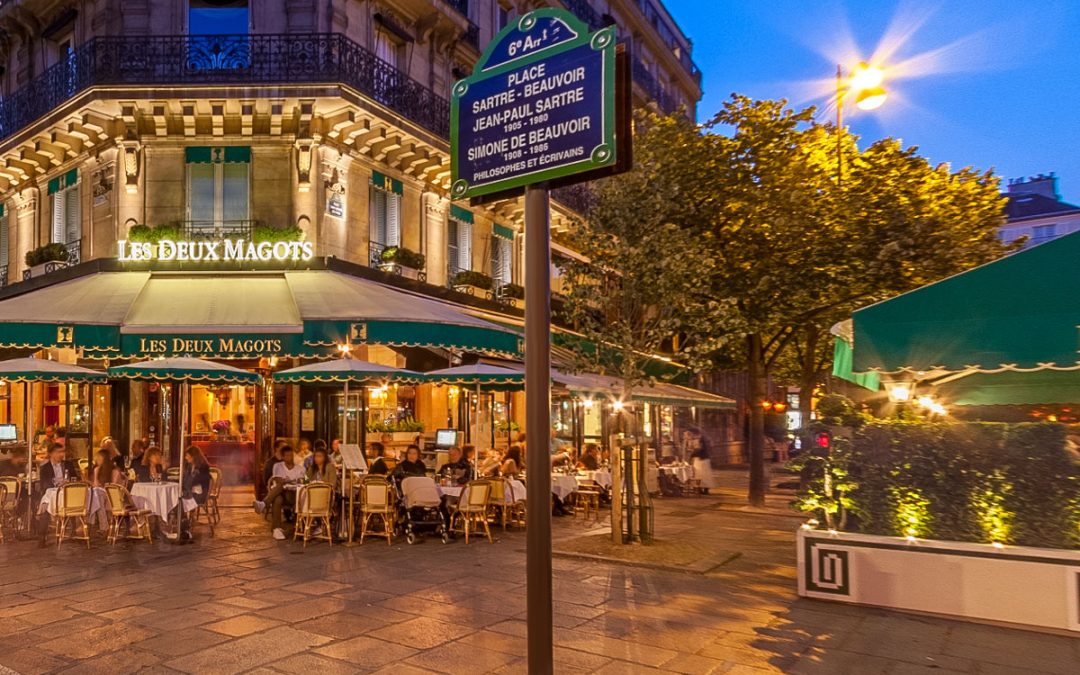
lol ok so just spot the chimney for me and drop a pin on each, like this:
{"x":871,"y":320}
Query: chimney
{"x":1043,"y":184}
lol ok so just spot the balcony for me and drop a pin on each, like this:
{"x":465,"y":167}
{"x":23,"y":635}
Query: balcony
{"x":3,"y":275}
{"x":72,"y":256}
{"x":224,"y":60}
{"x":402,"y":266}
{"x":655,"y":91}
{"x":216,"y":229}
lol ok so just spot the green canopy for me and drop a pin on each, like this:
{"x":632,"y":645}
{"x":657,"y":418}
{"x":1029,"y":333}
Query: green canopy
{"x":1044,"y":387}
{"x":339,"y":371}
{"x":486,"y":375}
{"x":45,"y":370}
{"x":1019,"y":313}
{"x":184,"y":370}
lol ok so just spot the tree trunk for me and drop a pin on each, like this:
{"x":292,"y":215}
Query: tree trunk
{"x":808,"y":380}
{"x":755,"y":395}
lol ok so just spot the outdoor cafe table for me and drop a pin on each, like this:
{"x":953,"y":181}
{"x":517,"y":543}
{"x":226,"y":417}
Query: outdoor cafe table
{"x":158,"y":498}
{"x":683,"y":472}
{"x":53,"y":500}
{"x":517,"y":491}
{"x":562,"y":485}
{"x":601,"y":477}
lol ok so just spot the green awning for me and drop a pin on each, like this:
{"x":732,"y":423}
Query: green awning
{"x":503,"y":231}
{"x":63,"y":181}
{"x":486,"y":376}
{"x":340,"y":371}
{"x":228,"y":154}
{"x":384,"y":182}
{"x":1018,"y":313}
{"x":45,"y":370}
{"x":842,"y":358}
{"x":1044,"y":387}
{"x":460,"y":214}
{"x":184,"y":370}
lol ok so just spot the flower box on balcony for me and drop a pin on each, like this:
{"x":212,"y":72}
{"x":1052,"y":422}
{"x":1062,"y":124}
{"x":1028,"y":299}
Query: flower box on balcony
{"x":46,"y":259}
{"x":472,"y":282}
{"x":402,"y":261}
{"x":513,"y":295}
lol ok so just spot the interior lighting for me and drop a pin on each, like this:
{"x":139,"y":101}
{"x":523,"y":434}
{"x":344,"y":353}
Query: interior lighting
{"x":899,"y":393}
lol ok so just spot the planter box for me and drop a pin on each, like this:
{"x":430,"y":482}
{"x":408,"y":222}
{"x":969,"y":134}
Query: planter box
{"x":472,"y":290}
{"x":44,"y":268}
{"x":400,"y":270}
{"x":1036,"y":588}
{"x":516,"y":303}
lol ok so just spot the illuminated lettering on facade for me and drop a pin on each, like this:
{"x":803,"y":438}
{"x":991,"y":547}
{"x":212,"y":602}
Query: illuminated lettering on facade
{"x":218,"y":345}
{"x":227,"y":250}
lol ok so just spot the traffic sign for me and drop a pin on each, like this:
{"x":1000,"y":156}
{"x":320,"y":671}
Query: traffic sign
{"x":539,"y":106}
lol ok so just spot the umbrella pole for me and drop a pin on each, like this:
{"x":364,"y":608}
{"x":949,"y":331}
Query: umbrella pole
{"x":346,"y":478}
{"x":29,"y":458}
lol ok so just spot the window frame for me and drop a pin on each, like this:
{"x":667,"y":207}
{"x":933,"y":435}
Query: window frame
{"x":218,"y":168}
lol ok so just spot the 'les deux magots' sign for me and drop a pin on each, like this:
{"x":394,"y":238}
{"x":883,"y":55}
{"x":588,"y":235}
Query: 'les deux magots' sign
{"x":202,"y":250}
{"x":540,"y":106}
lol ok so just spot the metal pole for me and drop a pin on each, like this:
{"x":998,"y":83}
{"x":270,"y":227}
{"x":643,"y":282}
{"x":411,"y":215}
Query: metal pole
{"x":28,"y":434}
{"x":538,"y":426}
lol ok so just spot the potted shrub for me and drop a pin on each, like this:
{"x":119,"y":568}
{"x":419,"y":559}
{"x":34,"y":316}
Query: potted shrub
{"x":402,"y":261}
{"x":45,"y":259}
{"x":471,"y":282}
{"x":264,"y":232}
{"x":513,"y":294}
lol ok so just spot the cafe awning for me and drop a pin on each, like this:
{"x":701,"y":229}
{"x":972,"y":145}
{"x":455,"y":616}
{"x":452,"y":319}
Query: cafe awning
{"x":1017,"y":314}
{"x":238,"y":315}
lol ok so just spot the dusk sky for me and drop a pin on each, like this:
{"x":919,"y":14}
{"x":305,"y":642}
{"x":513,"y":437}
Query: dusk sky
{"x":987,"y":83}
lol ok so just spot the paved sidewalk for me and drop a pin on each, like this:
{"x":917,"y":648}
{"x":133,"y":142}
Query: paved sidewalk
{"x":241,"y":602}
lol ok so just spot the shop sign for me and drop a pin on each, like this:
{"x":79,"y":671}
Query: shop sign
{"x":204,"y":345}
{"x":225,"y":250}
{"x":540,"y":106}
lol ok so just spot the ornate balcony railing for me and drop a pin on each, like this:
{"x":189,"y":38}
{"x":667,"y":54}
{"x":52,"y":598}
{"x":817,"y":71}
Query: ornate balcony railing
{"x":217,"y":229}
{"x":584,"y":11}
{"x":224,"y":59}
{"x":3,"y":275}
{"x":375,"y":259}
{"x":74,"y":251}
{"x":656,"y":92}
{"x":74,"y":257}
{"x":462,"y":6}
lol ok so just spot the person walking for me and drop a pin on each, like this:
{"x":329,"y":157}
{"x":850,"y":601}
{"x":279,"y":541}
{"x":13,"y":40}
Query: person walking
{"x":702,"y":459}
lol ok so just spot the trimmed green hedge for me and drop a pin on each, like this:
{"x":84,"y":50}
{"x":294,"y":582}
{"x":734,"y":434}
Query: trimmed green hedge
{"x":981,"y":482}
{"x":46,"y":253}
{"x":403,"y":256}
{"x":473,"y":278}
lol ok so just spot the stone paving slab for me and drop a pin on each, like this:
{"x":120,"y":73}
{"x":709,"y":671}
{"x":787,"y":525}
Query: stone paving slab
{"x":243,"y":603}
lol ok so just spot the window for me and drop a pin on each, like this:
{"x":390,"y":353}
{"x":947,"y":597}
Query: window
{"x":218,"y":188}
{"x":218,"y":17}
{"x":64,"y":195}
{"x":459,"y":238}
{"x":385,"y":217}
{"x":505,"y":15}
{"x":502,"y":255}
{"x":3,"y":237}
{"x":387,"y":47}
{"x":1043,"y":233}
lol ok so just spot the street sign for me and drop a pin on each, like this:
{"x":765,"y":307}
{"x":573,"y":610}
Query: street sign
{"x":539,"y":106}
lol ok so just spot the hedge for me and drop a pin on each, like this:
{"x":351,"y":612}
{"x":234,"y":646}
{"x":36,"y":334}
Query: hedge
{"x":980,"y":482}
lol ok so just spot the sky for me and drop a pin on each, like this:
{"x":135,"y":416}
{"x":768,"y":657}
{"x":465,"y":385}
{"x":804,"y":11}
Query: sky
{"x":983,"y":83}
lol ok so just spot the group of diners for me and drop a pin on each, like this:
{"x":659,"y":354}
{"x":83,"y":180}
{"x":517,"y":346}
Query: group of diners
{"x":143,"y":463}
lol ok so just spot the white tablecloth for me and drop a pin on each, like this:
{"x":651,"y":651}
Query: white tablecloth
{"x":601,"y":477}
{"x":562,"y":486}
{"x":450,"y":490}
{"x":681,"y":471}
{"x":159,"y":498}
{"x":53,"y":500}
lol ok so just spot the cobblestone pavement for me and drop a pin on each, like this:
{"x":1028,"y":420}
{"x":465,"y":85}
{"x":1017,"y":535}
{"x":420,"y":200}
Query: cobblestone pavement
{"x":241,"y":602}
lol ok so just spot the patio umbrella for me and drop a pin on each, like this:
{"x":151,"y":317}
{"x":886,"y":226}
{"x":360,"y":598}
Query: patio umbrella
{"x":29,"y":370}
{"x":185,"y":370}
{"x":345,"y":371}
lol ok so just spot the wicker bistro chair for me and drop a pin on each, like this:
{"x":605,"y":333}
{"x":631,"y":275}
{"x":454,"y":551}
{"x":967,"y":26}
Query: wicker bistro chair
{"x":587,"y":499}
{"x":9,"y":500}
{"x":314,"y":505}
{"x":377,"y":500}
{"x":76,"y":507}
{"x":210,"y":506}
{"x":504,"y":505}
{"x":172,"y":473}
{"x":121,"y":509}
{"x":472,"y":509}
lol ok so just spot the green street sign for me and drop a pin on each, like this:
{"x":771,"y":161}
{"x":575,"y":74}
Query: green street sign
{"x":539,"y":106}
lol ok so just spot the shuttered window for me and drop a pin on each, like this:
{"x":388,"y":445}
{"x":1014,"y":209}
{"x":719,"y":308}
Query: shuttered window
{"x":66,"y":224}
{"x":459,"y":238}
{"x":219,"y":186}
{"x":385,"y":217}
{"x":502,"y":259}
{"x":4,"y":233}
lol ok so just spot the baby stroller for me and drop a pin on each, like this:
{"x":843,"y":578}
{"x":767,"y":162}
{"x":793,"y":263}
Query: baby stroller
{"x":420,"y":510}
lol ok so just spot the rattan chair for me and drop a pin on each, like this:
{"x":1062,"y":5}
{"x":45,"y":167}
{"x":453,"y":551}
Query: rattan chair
{"x":587,"y":499}
{"x":121,"y":509}
{"x":172,"y":473}
{"x":73,"y":504}
{"x":210,"y":506}
{"x":472,"y":509}
{"x":9,"y":501}
{"x":377,"y":499}
{"x":314,"y":505}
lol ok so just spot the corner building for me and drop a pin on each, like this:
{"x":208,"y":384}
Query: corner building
{"x":224,"y":120}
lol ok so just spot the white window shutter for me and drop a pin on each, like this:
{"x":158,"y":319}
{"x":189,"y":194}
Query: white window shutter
{"x":73,"y":222}
{"x":464,"y":231}
{"x":4,"y":232}
{"x":378,"y":215}
{"x":235,"y":187}
{"x":57,"y":218}
{"x":393,"y":219}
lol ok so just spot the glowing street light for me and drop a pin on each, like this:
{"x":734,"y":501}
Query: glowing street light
{"x":865,"y":83}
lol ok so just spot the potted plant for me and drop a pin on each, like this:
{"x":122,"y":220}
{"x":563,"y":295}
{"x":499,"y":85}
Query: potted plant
{"x":513,"y":294}
{"x":45,"y":259}
{"x":263,"y":232}
{"x":220,"y":427}
{"x":402,"y":261}
{"x":471,"y":282}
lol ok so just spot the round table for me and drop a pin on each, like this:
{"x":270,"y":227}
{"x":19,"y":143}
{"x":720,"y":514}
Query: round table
{"x":53,"y":500}
{"x":683,"y":472}
{"x":562,"y":485}
{"x":601,"y":477}
{"x":159,"y":498}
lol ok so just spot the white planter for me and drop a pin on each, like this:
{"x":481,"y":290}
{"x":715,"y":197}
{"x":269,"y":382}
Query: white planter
{"x":471,"y":290}
{"x":515,"y":303}
{"x":1030,"y":587}
{"x":47,"y":267}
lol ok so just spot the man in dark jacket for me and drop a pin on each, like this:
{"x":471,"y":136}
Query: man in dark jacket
{"x":52,"y":473}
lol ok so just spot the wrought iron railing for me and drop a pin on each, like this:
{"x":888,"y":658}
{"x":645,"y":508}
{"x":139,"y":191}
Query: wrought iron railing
{"x":656,"y":92}
{"x":224,"y":59}
{"x":462,"y":6}
{"x":375,"y":251}
{"x":584,"y":11}
{"x":74,"y":257}
{"x":3,"y":275}
{"x":217,"y":229}
{"x":472,"y":35}
{"x":376,"y":260}
{"x":74,"y":251}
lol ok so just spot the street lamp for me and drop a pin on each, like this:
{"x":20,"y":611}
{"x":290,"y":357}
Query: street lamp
{"x":865,"y":83}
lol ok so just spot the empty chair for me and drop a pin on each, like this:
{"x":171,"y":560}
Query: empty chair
{"x":73,"y":504}
{"x":314,"y":505}
{"x":9,"y":500}
{"x":376,"y":500}
{"x":121,"y":509}
{"x":472,"y":510}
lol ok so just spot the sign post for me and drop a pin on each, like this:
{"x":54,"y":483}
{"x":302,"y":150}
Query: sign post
{"x":540,"y":107}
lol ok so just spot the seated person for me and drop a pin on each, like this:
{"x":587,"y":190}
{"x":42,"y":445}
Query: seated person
{"x":268,"y":466}
{"x":457,"y":469}
{"x":511,"y":465}
{"x":149,"y":467}
{"x":322,"y":470}
{"x":286,"y":472}
{"x":196,"y":475}
{"x":56,"y":469}
{"x":318,"y":444}
{"x":378,"y":466}
{"x":590,"y":461}
{"x":15,"y":464}
{"x":105,"y":470}
{"x":335,"y":452}
{"x":412,"y":465}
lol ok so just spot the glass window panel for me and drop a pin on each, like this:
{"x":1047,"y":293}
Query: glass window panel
{"x":201,"y":193}
{"x":235,"y":186}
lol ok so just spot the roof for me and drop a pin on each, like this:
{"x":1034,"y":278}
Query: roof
{"x":1023,"y":205}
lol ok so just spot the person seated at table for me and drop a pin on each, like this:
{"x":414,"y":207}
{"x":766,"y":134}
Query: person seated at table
{"x":512,"y":463}
{"x":319,"y":445}
{"x":590,"y":461}
{"x":322,"y":470}
{"x":105,"y":470}
{"x":412,"y":465}
{"x":335,"y":452}
{"x":149,"y":467}
{"x":303,"y":451}
{"x":56,"y":469}
{"x":196,"y":475}
{"x":268,"y":466}
{"x":378,"y":466}
{"x":457,"y":468}
{"x":135,"y":454}
{"x":15,"y":464}
{"x":288,"y":472}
